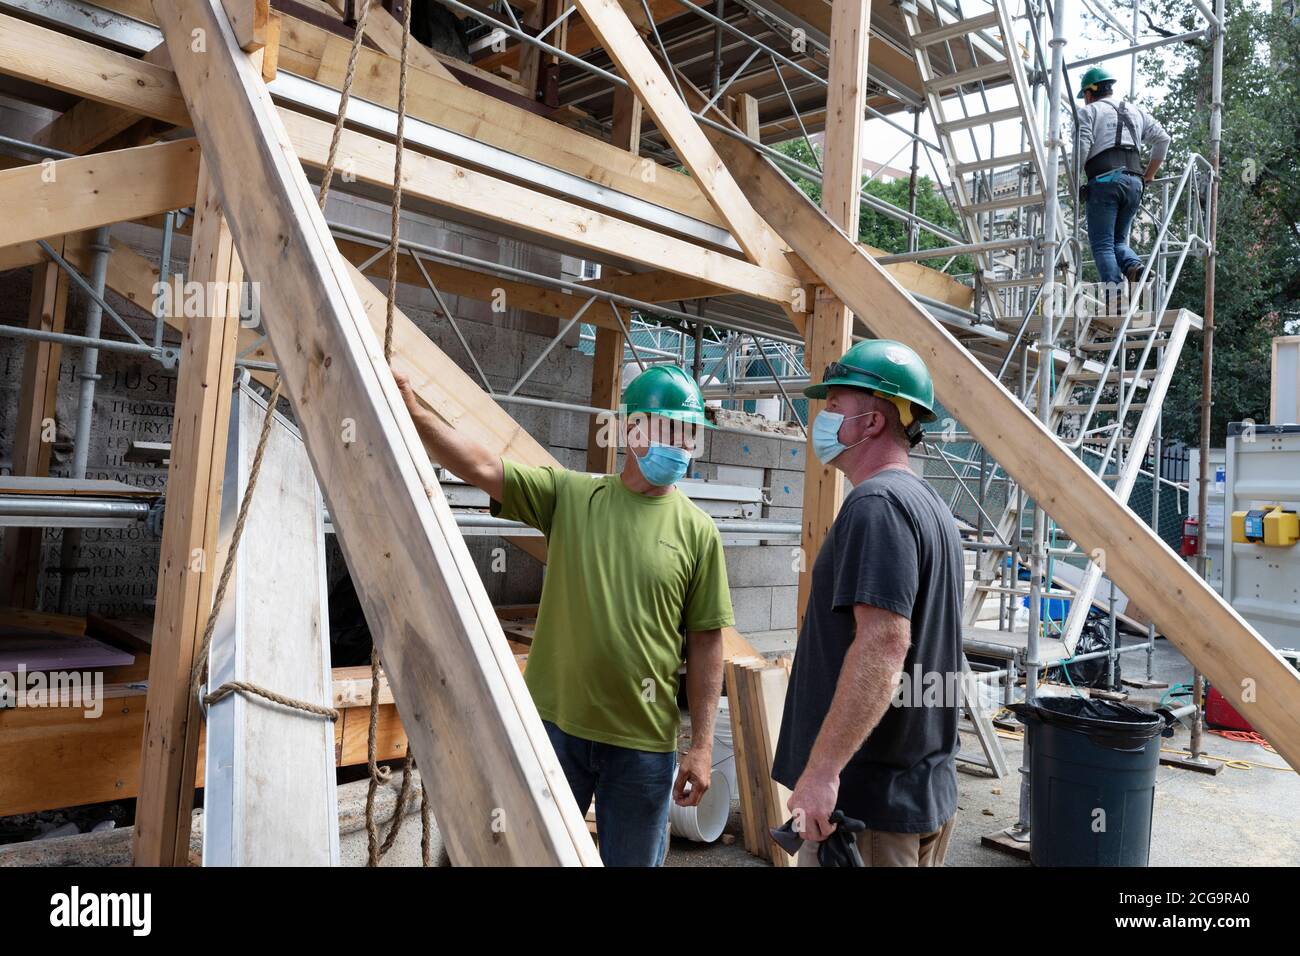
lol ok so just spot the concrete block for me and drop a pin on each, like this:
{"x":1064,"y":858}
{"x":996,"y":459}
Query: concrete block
{"x":743,"y":475}
{"x":704,"y":445}
{"x":532,"y":418}
{"x":568,"y":429}
{"x":792,"y":455}
{"x":702,"y":470}
{"x":785,"y":605}
{"x":405,"y":851}
{"x":786,"y":488}
{"x":785,"y":514}
{"x":753,"y":608}
{"x":761,"y":566}
{"x":728,"y":448}
{"x":574,"y":459}
{"x":509,"y":575}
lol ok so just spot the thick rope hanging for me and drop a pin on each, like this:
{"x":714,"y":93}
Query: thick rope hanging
{"x":199,"y":672}
{"x":376,"y":850}
{"x":200,"y":669}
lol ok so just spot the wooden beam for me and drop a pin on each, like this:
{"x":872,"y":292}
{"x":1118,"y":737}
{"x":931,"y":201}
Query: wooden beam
{"x":63,"y":62}
{"x":581,"y":37}
{"x":442,"y":102}
{"x":652,"y":86}
{"x":1257,"y":681}
{"x":70,"y":761}
{"x":250,"y":19}
{"x":926,"y":281}
{"x":384,"y":29}
{"x":607,"y":360}
{"x":271,"y":51}
{"x":530,"y":59}
{"x":442,"y":182}
{"x":498,"y":790}
{"x":89,"y":123}
{"x":187,"y":560}
{"x":606,"y":388}
{"x":447,"y":104}
{"x":20,"y":560}
{"x":657,"y":286}
{"x":336,"y":50}
{"x":828,"y":332}
{"x":744,"y":113}
{"x":452,"y":395}
{"x":441,"y":384}
{"x":21,"y":256}
{"x":628,"y":117}
{"x":71,"y":195}
{"x":459,"y":281}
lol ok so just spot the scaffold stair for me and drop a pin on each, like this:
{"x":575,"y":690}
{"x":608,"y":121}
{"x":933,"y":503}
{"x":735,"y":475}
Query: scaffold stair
{"x":959,"y":56}
{"x":1119,"y":444}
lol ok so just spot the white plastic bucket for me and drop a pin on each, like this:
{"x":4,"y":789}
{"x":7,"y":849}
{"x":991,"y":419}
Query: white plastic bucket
{"x":724,"y":758}
{"x":703,"y":823}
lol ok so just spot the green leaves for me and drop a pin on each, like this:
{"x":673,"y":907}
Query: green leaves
{"x":1257,"y":294}
{"x":883,"y":231}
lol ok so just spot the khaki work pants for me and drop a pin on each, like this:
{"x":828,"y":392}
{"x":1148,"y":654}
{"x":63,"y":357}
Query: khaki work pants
{"x":881,"y":848}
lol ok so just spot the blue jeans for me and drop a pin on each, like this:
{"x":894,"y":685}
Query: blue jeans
{"x":1112,"y":205}
{"x":632,"y":790}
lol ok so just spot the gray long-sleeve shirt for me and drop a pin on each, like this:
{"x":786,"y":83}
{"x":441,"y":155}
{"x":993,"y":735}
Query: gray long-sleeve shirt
{"x":1098,"y":121}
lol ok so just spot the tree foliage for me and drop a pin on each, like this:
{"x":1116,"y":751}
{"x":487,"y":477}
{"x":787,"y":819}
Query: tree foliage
{"x":883,"y":231}
{"x":1257,"y":285}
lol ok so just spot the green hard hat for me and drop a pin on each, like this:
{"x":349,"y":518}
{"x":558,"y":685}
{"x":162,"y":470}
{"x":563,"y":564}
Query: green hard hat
{"x":1095,"y":76}
{"x":885,"y":368}
{"x":669,"y":391}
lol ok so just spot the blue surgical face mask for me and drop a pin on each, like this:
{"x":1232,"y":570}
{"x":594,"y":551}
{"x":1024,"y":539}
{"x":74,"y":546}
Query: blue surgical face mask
{"x":826,"y":435}
{"x":664,"y":465}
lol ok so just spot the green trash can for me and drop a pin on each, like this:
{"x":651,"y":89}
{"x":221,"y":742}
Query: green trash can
{"x":1093,"y":779}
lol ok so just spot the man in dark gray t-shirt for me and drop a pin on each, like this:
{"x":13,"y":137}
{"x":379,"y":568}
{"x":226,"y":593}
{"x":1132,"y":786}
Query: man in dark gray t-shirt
{"x":885,"y":601}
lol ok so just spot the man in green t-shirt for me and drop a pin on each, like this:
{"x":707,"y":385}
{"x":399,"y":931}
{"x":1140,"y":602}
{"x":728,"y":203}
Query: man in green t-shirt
{"x":632,"y":565}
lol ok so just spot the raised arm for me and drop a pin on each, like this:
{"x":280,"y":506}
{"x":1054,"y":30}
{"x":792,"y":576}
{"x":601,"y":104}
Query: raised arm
{"x":459,"y":454}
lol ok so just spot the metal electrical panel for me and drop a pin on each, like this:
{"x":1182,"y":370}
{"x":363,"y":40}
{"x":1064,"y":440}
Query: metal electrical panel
{"x":1261,"y":572}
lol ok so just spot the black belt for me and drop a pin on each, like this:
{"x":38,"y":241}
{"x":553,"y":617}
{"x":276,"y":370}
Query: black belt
{"x":1109,"y":160}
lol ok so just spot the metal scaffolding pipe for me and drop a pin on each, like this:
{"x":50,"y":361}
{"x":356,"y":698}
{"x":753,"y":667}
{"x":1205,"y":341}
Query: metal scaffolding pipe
{"x":1038,"y":556}
{"x":592,"y":410}
{"x":52,"y":506}
{"x":1140,"y":48}
{"x":1207,"y":347}
{"x":478,"y":519}
{"x":87,"y":377}
{"x":78,"y":341}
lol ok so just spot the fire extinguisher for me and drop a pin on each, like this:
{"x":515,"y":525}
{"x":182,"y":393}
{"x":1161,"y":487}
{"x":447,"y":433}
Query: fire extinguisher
{"x":1191,"y":536}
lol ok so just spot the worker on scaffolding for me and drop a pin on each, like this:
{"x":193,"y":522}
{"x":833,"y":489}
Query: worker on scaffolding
{"x":631,"y":564}
{"x":1110,"y":136}
{"x":871,"y":713}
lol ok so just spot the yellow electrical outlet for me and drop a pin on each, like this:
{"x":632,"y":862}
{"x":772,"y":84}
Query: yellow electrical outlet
{"x":1281,"y":528}
{"x":1271,"y":526}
